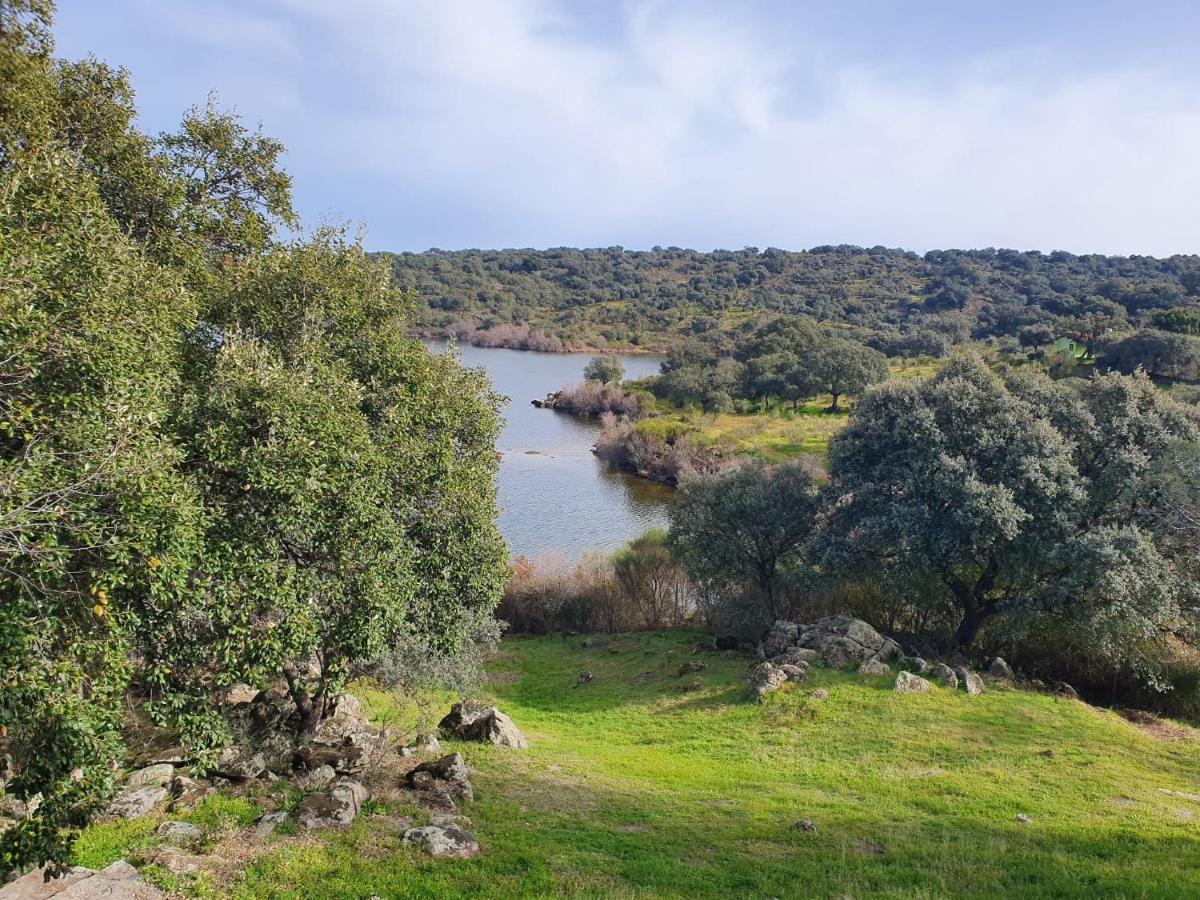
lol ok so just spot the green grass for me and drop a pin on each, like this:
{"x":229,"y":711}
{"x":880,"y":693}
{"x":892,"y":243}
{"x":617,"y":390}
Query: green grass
{"x":635,"y":787}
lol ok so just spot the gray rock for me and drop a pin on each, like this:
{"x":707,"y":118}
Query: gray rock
{"x":766,"y":678}
{"x":794,"y":673}
{"x":447,"y":776}
{"x":1067,"y":691}
{"x":187,"y":792}
{"x":781,"y":636}
{"x":317,"y":780}
{"x":795,"y":656}
{"x":177,"y":861}
{"x":820,"y":694}
{"x":943,"y":674}
{"x":159,"y":775}
{"x":1023,"y":819}
{"x":240,"y":693}
{"x":584,"y":677}
{"x":873,"y":667}
{"x":443,"y":843}
{"x":421,"y":745}
{"x":908,"y":683}
{"x":471,"y":723}
{"x":805,"y":825}
{"x":120,"y":881}
{"x":1000,"y":669}
{"x":137,"y":801}
{"x":268,"y":822}
{"x":241,"y":764}
{"x":692,"y":665}
{"x":969,"y":681}
{"x":843,"y":641}
{"x":339,"y":806}
{"x":917,"y":664}
{"x":181,"y":834}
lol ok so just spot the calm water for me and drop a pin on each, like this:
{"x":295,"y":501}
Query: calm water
{"x":555,"y":496}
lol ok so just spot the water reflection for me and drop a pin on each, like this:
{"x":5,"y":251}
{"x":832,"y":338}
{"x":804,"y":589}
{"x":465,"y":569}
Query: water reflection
{"x":555,"y":497}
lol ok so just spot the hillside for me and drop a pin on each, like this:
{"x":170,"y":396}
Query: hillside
{"x":637,"y":786}
{"x":899,"y":301}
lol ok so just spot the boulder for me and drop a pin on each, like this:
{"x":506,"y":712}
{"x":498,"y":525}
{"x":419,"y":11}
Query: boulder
{"x":969,"y":681}
{"x":447,"y":777}
{"x":316,"y":780}
{"x":766,"y":678}
{"x":795,"y":656}
{"x":422,"y":744}
{"x":917,"y":664}
{"x":187,"y":792}
{"x":874,"y":667}
{"x":181,"y":834}
{"x":177,"y":861}
{"x":843,"y":641}
{"x":239,"y":694}
{"x":1067,"y":691}
{"x":794,"y":673}
{"x":943,"y":674}
{"x":241,"y":764}
{"x":137,"y":801}
{"x":159,"y":775}
{"x":584,"y":677}
{"x":692,"y":665}
{"x":781,"y":636}
{"x":908,"y":683}
{"x":820,"y":694}
{"x":440,"y":842}
{"x":486,"y":724}
{"x":120,"y":881}
{"x":338,"y":806}
{"x":268,"y":822}
{"x":998,"y":668}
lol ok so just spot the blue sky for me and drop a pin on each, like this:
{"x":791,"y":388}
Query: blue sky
{"x":512,"y":123}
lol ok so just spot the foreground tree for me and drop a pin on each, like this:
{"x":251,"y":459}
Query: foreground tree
{"x":1004,"y":493}
{"x":745,"y":526}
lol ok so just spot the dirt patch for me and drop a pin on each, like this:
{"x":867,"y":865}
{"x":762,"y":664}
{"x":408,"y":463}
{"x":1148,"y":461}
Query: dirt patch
{"x":1156,"y":727}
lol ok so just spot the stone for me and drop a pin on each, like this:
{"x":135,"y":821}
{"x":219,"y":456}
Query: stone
{"x":766,"y":678}
{"x":159,"y":775}
{"x":584,"y":677}
{"x":917,"y":664}
{"x":794,"y":673}
{"x":781,"y":636}
{"x":422,"y":744}
{"x":338,"y":806}
{"x":137,"y":801}
{"x":943,"y":674}
{"x":489,"y":725}
{"x":807,"y":825}
{"x":843,"y":641}
{"x":998,"y":668}
{"x":241,"y":764}
{"x":447,"y":776}
{"x":692,"y":665}
{"x":268,"y":822}
{"x":1067,"y":691}
{"x":450,"y":842}
{"x":240,"y":693}
{"x":874,"y":667}
{"x":120,"y":881}
{"x":177,"y":861}
{"x":181,"y":834}
{"x":1023,"y":819}
{"x":187,"y":792}
{"x":820,"y":694}
{"x":908,"y":683}
{"x":969,"y":681}
{"x":317,"y":780}
{"x":344,"y":759}
{"x":795,"y":656}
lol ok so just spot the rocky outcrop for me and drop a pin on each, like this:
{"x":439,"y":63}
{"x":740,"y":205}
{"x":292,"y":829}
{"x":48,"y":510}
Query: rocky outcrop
{"x":132,"y":802}
{"x":969,"y":681}
{"x":338,"y":806}
{"x":908,"y":683}
{"x":1000,"y":669}
{"x":447,"y":778}
{"x":468,"y":722}
{"x":120,"y":881}
{"x":944,"y":675}
{"x":874,"y":667}
{"x":766,"y":678}
{"x":443,"y":841}
{"x":839,"y":641}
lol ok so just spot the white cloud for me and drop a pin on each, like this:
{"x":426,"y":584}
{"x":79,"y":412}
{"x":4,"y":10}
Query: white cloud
{"x":683,"y":127}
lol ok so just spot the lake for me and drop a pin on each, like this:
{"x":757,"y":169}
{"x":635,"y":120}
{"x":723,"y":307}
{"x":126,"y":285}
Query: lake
{"x":555,"y":496}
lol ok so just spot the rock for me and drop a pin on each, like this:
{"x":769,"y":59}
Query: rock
{"x":316,"y":780}
{"x":781,"y":636}
{"x":998,"y":668}
{"x":443,"y":843}
{"x":240,"y":693}
{"x":766,"y":678}
{"x":726,"y":642}
{"x":943,"y":674}
{"x":873,"y":667}
{"x":137,"y":801}
{"x":338,"y":806}
{"x":177,"y":861}
{"x":969,"y":681}
{"x":1023,"y":819}
{"x":186,"y":792}
{"x":794,"y":673}
{"x":807,"y":825}
{"x":489,"y":725}
{"x":584,"y":677}
{"x":241,"y":764}
{"x":181,"y":834}
{"x":447,"y":776}
{"x":917,"y":664}
{"x":345,"y":759}
{"x":268,"y":822}
{"x":422,"y":744}
{"x":692,"y":665}
{"x":120,"y":881}
{"x":843,"y":641}
{"x":1067,"y":691}
{"x":820,"y":694}
{"x":159,"y":775}
{"x":908,"y":683}
{"x":795,"y":656}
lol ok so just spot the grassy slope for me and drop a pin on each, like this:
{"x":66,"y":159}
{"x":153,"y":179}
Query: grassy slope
{"x":635,"y":787}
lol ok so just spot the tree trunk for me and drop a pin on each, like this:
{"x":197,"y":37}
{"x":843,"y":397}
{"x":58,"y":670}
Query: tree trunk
{"x":833,"y":407}
{"x":968,"y":628}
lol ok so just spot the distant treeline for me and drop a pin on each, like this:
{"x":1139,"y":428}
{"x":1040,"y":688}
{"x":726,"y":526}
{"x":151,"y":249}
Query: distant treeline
{"x":896,"y":301}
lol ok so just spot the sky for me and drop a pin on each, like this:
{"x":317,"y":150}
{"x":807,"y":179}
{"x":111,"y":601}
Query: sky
{"x":1059,"y":124}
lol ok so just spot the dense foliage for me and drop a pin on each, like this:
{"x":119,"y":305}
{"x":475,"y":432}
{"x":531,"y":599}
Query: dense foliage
{"x":899,"y":302}
{"x":221,"y":459}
